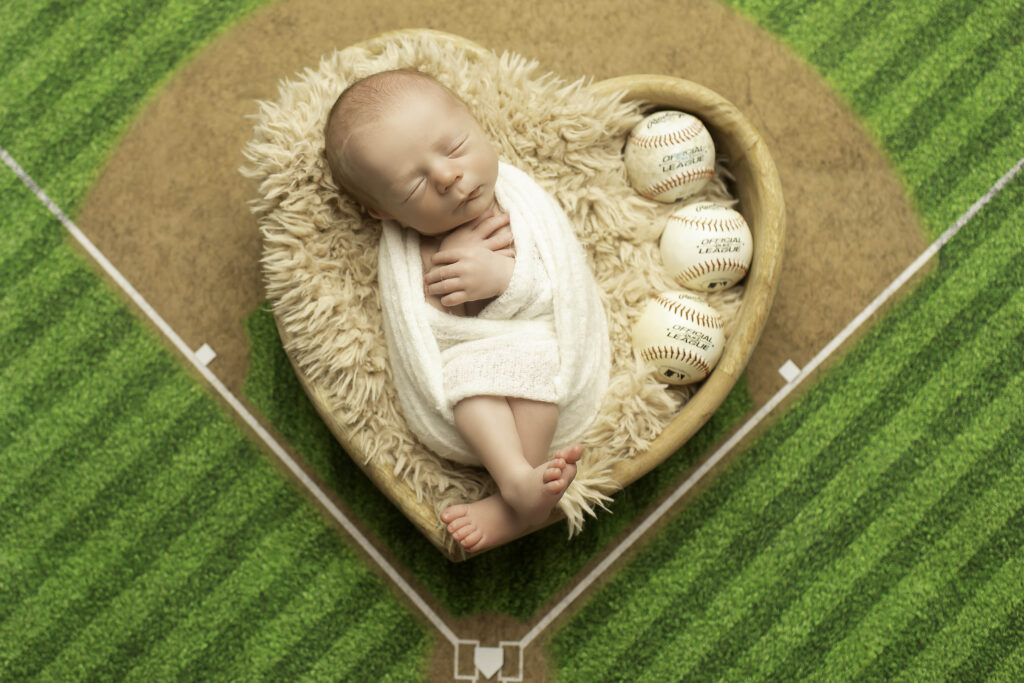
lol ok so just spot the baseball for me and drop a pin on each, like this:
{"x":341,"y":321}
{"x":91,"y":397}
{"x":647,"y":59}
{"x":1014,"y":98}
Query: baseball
{"x":681,"y":335}
{"x":669,"y":156}
{"x":706,"y":246}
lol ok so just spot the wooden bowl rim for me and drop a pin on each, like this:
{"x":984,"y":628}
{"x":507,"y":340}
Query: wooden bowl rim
{"x":722,"y":118}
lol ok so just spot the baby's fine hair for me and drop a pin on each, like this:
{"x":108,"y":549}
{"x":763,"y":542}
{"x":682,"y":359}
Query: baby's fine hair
{"x":361,"y":102}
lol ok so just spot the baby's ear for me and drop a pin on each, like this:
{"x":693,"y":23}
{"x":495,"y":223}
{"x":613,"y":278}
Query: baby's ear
{"x":377,"y":214}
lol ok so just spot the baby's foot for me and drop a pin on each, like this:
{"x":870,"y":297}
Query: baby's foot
{"x":484,"y":524}
{"x":535,"y":494}
{"x":492,"y":521}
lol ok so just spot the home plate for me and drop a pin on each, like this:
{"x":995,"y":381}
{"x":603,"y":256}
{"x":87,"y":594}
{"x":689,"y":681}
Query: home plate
{"x":488,"y":660}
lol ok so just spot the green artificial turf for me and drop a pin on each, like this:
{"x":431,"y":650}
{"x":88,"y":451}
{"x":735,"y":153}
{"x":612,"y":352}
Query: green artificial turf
{"x":143,"y":535}
{"x":495,"y":581}
{"x":865,"y":521}
{"x":873,"y":532}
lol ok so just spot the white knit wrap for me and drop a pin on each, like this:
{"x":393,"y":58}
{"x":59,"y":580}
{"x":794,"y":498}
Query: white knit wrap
{"x":545,"y":338}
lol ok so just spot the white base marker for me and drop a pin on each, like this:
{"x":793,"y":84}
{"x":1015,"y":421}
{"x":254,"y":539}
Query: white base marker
{"x":205,"y":354}
{"x":789,"y":371}
{"x":623,"y":545}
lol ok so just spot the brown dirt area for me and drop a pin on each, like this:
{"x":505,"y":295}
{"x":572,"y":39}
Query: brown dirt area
{"x":169,"y":210}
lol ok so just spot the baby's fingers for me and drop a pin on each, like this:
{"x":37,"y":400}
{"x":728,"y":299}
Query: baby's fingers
{"x":499,"y":239}
{"x":454,"y":299}
{"x":444,"y":286}
{"x":491,"y":225}
{"x":448,"y":256}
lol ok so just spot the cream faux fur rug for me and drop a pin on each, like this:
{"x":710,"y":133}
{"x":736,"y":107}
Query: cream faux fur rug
{"x":320,"y":251}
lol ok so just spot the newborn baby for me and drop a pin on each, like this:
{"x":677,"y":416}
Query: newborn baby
{"x":411,"y":153}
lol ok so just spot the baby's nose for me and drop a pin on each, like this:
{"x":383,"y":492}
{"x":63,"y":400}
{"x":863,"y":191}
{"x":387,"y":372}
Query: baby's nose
{"x":446,"y":175}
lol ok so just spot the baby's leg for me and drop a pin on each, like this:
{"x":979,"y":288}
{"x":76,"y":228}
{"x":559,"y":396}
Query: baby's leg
{"x":488,"y":425}
{"x":531,"y":484}
{"x":535,"y":424}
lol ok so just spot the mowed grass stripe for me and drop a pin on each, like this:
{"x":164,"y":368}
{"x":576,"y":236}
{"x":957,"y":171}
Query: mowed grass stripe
{"x":149,"y":610}
{"x":774,"y":15}
{"x":902,"y":135}
{"x":111,"y":561}
{"x":876,"y":49}
{"x":46,"y":452}
{"x":828,"y":593}
{"x":962,"y":50}
{"x":118,"y":535}
{"x":767,"y":527}
{"x":53,"y":68}
{"x":342,"y":585}
{"x":971,"y":172}
{"x":390,"y":633}
{"x":255,"y":593}
{"x":29,"y":231}
{"x":929,"y":611}
{"x":207,"y":535}
{"x":45,"y":294}
{"x":818,"y":22}
{"x":984,"y":654}
{"x":901,"y":57}
{"x":822,"y":533}
{"x":105,"y":96}
{"x":54,"y":528}
{"x":787,"y":623}
{"x":333,"y":619}
{"x":22,"y":27}
{"x":1011,"y":666}
{"x":213,"y":604}
{"x":69,"y":349}
{"x":172,"y":634}
{"x":927,"y":307}
{"x":988,"y":533}
{"x":848,"y":36}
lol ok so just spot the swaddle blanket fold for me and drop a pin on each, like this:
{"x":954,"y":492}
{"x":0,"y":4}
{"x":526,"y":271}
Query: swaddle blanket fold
{"x":544,"y":338}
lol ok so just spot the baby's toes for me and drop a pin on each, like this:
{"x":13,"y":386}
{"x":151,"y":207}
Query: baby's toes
{"x":554,"y":470}
{"x":454,"y":513}
{"x":459,"y":524}
{"x":556,"y":486}
{"x":470,"y":541}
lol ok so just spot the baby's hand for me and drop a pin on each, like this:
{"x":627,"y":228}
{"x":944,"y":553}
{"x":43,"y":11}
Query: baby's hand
{"x":468,"y":274}
{"x":491,"y":233}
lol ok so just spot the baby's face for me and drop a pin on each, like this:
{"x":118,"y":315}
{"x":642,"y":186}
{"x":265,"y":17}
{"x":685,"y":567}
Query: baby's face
{"x":427,"y":162}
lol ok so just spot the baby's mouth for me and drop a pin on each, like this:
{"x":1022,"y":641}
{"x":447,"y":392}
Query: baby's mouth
{"x":472,"y":195}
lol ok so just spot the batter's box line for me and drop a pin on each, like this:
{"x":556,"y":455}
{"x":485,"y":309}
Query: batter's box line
{"x":406,"y":589}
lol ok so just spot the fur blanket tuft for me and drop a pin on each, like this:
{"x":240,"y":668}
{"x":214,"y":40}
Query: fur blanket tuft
{"x":320,"y":252}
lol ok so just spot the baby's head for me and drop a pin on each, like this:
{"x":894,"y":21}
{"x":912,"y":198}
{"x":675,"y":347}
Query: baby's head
{"x":408,"y":149}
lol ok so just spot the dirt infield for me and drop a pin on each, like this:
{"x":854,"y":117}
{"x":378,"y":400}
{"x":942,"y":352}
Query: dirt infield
{"x":170,"y":212}
{"x":169,"y":209}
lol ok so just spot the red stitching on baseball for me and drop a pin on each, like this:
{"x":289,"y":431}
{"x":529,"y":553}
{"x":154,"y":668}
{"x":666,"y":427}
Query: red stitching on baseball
{"x":706,"y":267}
{"x":673,"y":138}
{"x":714,"y":322}
{"x":676,"y":181}
{"x":651,"y":353}
{"x":716,"y":224}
